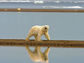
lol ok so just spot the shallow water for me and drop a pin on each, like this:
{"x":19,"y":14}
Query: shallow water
{"x":59,"y":55}
{"x":63,"y":26}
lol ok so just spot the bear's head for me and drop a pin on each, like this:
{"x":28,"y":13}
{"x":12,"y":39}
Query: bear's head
{"x":45,"y":28}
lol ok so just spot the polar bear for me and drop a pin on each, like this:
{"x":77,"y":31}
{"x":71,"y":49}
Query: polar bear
{"x":37,"y":32}
{"x":37,"y":55}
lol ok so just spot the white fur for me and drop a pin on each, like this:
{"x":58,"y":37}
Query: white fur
{"x":37,"y":32}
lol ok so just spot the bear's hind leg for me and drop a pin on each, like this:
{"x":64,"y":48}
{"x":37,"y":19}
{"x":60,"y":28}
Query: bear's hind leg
{"x":47,"y":36}
{"x":28,"y":36}
{"x":35,"y":37}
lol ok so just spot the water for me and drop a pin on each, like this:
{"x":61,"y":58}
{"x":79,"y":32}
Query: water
{"x":63,"y":26}
{"x":60,"y":55}
{"x":44,"y":5}
{"x":67,"y":26}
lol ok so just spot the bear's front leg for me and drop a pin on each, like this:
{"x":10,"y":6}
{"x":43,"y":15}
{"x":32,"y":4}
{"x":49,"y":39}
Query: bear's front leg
{"x":47,"y":36}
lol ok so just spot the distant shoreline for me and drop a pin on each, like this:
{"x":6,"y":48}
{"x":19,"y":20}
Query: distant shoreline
{"x":39,"y":10}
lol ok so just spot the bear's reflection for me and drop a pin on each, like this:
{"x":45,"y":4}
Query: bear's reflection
{"x":37,"y":55}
